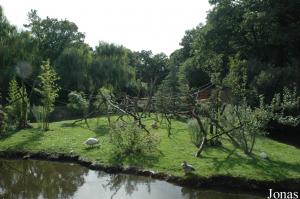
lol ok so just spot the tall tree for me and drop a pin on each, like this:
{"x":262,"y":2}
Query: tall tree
{"x":110,"y":67}
{"x":151,"y":68}
{"x":53,"y":35}
{"x":263,"y":33}
{"x":7,"y":33}
{"x":73,"y":67}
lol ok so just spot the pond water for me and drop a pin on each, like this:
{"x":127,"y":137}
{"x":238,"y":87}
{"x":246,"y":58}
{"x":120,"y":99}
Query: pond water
{"x":33,"y":179}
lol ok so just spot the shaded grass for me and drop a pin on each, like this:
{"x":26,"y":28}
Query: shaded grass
{"x":283,"y":162}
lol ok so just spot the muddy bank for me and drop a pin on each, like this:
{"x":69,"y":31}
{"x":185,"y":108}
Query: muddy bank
{"x":236,"y":184}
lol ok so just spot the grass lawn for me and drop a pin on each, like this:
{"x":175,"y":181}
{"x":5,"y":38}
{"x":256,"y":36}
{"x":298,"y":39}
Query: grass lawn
{"x":283,"y":163}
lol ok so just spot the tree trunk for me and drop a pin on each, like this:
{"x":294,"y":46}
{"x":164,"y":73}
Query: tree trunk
{"x":201,"y":147}
{"x":252,"y":143}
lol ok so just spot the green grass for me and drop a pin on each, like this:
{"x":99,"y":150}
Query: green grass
{"x":283,"y":163}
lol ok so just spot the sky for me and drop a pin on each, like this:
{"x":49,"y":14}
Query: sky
{"x":156,"y":25}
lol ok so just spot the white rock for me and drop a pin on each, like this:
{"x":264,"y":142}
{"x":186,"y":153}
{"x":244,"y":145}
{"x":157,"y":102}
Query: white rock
{"x":263,"y":155}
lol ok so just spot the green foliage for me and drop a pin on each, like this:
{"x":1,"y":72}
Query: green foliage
{"x":48,"y":90}
{"x":129,"y":139}
{"x":237,"y":77}
{"x":194,"y":74}
{"x":168,"y":94}
{"x":18,"y":104}
{"x":262,"y":34}
{"x":172,"y":96}
{"x":110,"y":67}
{"x":14,"y":98}
{"x":7,"y":32}
{"x":53,"y":35}
{"x":102,"y":96}
{"x":73,"y":67}
{"x":240,"y":123}
{"x":150,"y":68}
{"x":251,"y":122}
{"x":64,"y":138}
{"x":285,"y":107}
{"x":78,"y":101}
{"x":3,"y":122}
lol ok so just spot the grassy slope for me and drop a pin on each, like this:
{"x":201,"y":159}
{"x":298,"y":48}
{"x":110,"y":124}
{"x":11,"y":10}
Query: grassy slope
{"x":284,"y":159}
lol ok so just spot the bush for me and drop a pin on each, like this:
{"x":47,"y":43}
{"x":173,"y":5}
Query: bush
{"x":77,"y":101}
{"x":18,"y":105}
{"x":3,"y":123}
{"x":285,"y":107}
{"x":129,"y":139}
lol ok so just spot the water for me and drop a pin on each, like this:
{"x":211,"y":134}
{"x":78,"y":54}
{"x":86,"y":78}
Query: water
{"x":32,"y":179}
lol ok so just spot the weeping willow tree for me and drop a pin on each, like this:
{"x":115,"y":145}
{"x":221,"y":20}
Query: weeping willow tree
{"x":110,"y":67}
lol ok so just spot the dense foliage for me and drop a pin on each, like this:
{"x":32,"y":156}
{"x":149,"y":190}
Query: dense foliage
{"x":231,"y":77}
{"x":18,"y":104}
{"x":257,"y":38}
{"x":130,"y":139}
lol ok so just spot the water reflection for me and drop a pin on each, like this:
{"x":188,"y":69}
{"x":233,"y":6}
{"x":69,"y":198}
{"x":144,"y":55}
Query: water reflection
{"x":129,"y":183}
{"x":39,"y":179}
{"x":30,"y":179}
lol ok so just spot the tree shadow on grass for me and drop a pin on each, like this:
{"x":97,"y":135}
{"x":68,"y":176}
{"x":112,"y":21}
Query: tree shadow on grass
{"x":273,"y":168}
{"x":8,"y":134}
{"x":91,"y":148}
{"x":175,"y":133}
{"x":80,"y":124}
{"x":101,"y":130}
{"x":263,"y":167}
{"x":35,"y":136}
{"x":68,"y":124}
{"x":139,"y":160}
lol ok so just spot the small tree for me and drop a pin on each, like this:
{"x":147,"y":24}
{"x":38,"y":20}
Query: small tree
{"x":48,"y":89}
{"x":78,"y":102}
{"x":3,"y":122}
{"x":102,"y":104}
{"x":251,"y":122}
{"x":172,"y":96}
{"x":240,"y":123}
{"x":18,"y":104}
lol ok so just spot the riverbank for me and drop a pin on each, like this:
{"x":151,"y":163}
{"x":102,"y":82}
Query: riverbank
{"x":235,"y":184}
{"x":225,"y":166}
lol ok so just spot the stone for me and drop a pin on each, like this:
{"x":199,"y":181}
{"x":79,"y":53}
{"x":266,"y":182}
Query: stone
{"x":263,"y":155}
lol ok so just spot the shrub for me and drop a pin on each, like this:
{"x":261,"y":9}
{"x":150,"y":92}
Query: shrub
{"x":128,"y":138}
{"x":18,"y":105}
{"x":285,"y":107}
{"x":3,"y":122}
{"x":78,"y":102}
